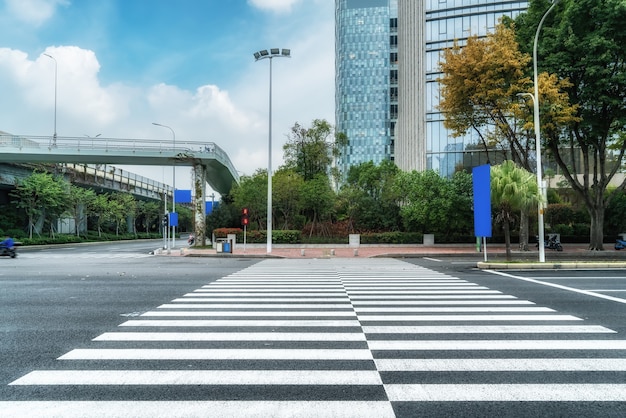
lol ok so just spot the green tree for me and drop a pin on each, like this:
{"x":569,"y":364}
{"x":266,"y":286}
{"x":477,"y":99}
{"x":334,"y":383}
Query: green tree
{"x":100,"y":209}
{"x":286,"y":187}
{"x":318,"y":201}
{"x":42,"y":196}
{"x":149,"y":213}
{"x":79,"y":199}
{"x":430,"y":203}
{"x":310,"y":152}
{"x":122,"y":207}
{"x":251,"y":193}
{"x":583,"y":41}
{"x":513,"y":189}
{"x":225,"y":215}
{"x":368,"y":198}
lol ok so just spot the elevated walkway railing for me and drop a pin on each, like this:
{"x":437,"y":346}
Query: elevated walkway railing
{"x":220,"y":170}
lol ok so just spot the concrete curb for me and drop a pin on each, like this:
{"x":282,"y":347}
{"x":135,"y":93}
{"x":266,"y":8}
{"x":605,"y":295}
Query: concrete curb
{"x":566,"y":265}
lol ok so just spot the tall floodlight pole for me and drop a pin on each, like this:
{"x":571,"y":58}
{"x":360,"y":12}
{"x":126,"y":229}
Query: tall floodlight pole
{"x":273,"y":53}
{"x":540,"y":244}
{"x":54,"y":137}
{"x":173,"y":179}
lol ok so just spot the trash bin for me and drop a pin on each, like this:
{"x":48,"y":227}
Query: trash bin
{"x":218,"y":247}
{"x":226,"y":247}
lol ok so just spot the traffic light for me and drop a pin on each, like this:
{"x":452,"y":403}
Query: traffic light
{"x":244,"y":217}
{"x":165,"y":219}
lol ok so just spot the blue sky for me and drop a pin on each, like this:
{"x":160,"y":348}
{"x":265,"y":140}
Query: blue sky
{"x":188,"y":64}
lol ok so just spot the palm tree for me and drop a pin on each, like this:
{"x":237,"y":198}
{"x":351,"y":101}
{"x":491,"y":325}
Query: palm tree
{"x":513,"y":189}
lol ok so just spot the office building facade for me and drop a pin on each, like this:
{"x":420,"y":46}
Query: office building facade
{"x":389,"y":108}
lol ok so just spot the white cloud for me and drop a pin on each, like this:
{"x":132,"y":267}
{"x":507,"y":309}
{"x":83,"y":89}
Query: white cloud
{"x":278,"y":6}
{"x":34,"y":12}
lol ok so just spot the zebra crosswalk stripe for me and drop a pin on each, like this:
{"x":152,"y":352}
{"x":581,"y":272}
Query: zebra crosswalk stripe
{"x":353,"y":336}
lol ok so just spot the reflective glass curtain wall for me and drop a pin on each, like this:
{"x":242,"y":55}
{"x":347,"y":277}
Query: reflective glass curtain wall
{"x":447,"y":21}
{"x":365,"y":79}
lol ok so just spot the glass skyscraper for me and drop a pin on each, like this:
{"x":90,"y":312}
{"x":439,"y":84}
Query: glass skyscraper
{"x":386,"y":59}
{"x":366,"y":79}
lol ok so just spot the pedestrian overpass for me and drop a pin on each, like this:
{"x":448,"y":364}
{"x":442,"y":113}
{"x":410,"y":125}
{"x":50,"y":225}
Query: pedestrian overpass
{"x":210,"y":163}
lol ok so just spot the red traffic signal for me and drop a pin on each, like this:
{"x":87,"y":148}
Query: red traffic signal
{"x":244,"y":217}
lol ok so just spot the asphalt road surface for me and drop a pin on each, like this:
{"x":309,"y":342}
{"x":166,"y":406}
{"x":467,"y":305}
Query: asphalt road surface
{"x":112,"y":331}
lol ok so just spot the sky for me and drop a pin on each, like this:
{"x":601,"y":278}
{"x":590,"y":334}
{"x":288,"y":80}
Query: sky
{"x":187,"y":64}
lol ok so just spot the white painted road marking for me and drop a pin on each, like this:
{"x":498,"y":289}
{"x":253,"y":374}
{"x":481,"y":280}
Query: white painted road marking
{"x":231,"y":336}
{"x":216,"y":354}
{"x":200,"y":377}
{"x":502,"y":365}
{"x":464,"y":318}
{"x":197,"y":409}
{"x":507,"y":393}
{"x":239,"y":323}
{"x":487,"y":329}
{"x":253,"y":314}
{"x":490,"y":345}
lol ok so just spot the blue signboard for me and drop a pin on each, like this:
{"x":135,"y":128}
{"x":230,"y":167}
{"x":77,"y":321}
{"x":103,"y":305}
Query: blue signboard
{"x":173,"y":219}
{"x":481,"y":177}
{"x":210,"y":207}
{"x":182,"y":196}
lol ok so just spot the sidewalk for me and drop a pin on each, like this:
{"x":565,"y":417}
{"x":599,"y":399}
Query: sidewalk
{"x":572,"y":253}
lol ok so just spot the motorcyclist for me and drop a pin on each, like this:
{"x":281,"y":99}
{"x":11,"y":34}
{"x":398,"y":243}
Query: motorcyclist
{"x":7,"y":243}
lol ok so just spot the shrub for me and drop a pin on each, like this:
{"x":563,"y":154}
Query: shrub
{"x":562,"y":229}
{"x":581,"y":229}
{"x":286,"y":237}
{"x":223,"y":232}
{"x":559,"y":214}
{"x":392,"y":238}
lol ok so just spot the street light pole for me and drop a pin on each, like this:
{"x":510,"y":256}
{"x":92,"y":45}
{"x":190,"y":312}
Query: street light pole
{"x":273,"y":53}
{"x":540,"y":244}
{"x":54,"y":137}
{"x":92,"y":138}
{"x":173,"y":179}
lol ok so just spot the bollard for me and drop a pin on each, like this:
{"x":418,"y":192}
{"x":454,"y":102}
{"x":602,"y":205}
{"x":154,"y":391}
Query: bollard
{"x":356,"y":252}
{"x":332,"y":252}
{"x":302,"y":252}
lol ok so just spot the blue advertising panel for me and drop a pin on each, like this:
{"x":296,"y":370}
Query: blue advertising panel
{"x":481,"y":177}
{"x":173,"y":219}
{"x":182,"y":196}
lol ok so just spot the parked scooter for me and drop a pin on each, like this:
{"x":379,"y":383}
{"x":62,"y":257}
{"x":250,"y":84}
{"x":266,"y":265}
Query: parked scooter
{"x":551,"y":243}
{"x":620,"y":244}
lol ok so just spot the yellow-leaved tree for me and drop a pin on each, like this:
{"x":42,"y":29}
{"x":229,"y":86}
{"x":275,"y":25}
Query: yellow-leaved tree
{"x":483,"y":87}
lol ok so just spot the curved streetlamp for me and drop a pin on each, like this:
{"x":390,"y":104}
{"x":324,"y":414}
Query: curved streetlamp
{"x":54,"y":137}
{"x":540,"y":244}
{"x":263,"y":54}
{"x":173,"y":180}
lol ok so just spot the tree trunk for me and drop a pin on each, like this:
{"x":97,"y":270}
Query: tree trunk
{"x":596,"y":235}
{"x":507,"y":239}
{"x":523,"y":230}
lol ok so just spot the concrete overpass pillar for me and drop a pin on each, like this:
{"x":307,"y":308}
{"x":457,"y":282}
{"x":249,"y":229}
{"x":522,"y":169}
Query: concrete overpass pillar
{"x":199,"y":215}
